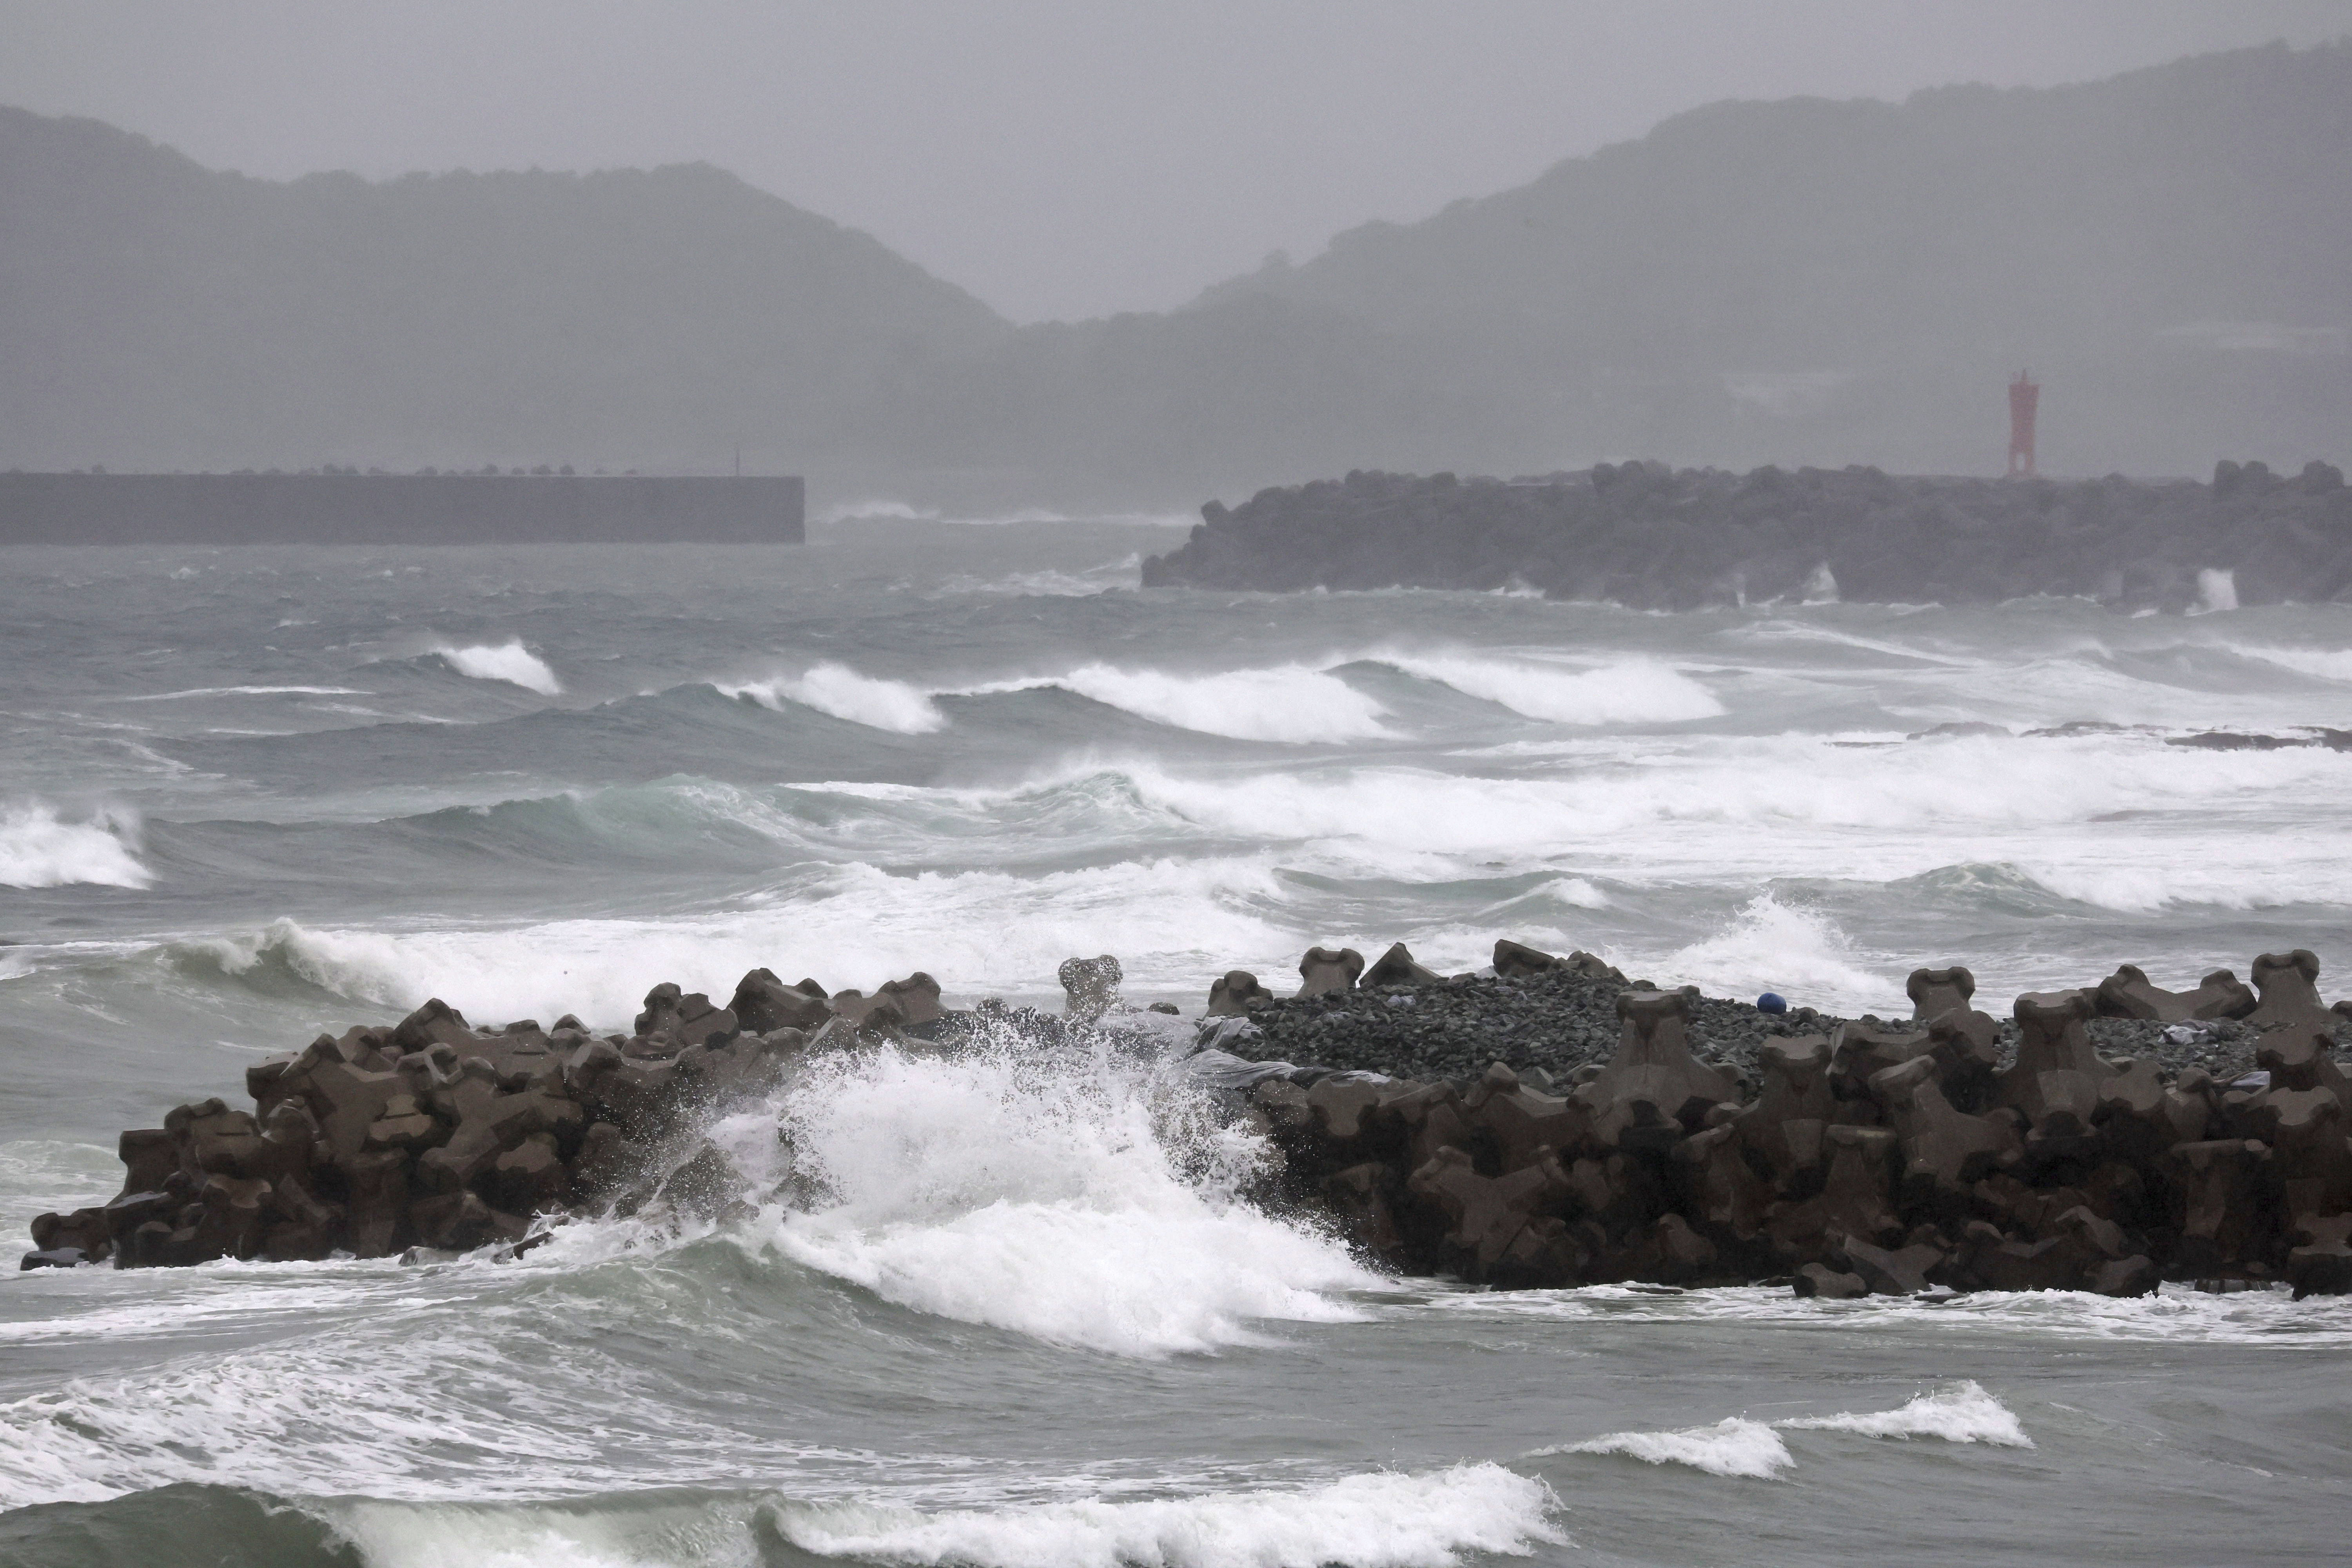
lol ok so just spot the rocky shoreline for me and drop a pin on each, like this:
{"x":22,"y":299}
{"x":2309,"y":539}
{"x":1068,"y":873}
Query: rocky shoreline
{"x":1647,"y":536}
{"x":1547,"y":1121}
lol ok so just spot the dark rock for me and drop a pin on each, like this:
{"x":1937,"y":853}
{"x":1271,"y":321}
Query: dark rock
{"x":1653,"y":1090}
{"x":1090,"y":986}
{"x":761,"y":1002}
{"x":1829,"y":1284}
{"x":1934,"y":992}
{"x":2320,"y":1264}
{"x":1487,"y":1213}
{"x":1325,"y":970}
{"x":1396,"y":968}
{"x":52,"y":1257}
{"x":1651,"y":537}
{"x":2289,"y":985}
{"x":1235,"y":993}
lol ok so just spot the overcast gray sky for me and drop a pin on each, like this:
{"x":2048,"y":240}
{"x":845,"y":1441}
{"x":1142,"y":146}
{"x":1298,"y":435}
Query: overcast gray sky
{"x":1056,"y":158}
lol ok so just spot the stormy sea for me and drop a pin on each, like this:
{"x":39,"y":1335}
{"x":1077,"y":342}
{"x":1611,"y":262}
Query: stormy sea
{"x":1014,"y":1306}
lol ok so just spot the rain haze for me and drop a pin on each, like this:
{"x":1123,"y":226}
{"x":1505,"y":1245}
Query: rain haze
{"x":1227,"y":785}
{"x":1060,"y":161}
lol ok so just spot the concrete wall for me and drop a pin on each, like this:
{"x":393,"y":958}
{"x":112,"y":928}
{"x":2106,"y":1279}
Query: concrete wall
{"x":395,"y":509}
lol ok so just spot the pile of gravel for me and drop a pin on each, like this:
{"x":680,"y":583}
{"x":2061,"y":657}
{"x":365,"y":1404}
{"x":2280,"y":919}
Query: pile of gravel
{"x":1557,"y":1022}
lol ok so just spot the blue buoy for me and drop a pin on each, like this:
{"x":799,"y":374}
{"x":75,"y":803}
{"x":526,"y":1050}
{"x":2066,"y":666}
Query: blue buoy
{"x":1771,"y":1002}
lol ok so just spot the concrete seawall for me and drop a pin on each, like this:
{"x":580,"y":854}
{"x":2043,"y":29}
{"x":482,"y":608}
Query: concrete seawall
{"x":396,"y":509}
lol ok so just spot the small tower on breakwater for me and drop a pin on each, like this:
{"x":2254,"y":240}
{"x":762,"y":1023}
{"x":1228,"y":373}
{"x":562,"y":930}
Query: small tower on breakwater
{"x":2024,"y":394}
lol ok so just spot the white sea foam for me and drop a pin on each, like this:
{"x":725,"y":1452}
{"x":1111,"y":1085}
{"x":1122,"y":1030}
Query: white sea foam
{"x":1040,"y":585}
{"x":2217,"y":590}
{"x":1772,"y":946}
{"x":408,"y":1535}
{"x":305,"y":1418}
{"x":1628,"y":692}
{"x":1959,"y":1412}
{"x":508,"y":661}
{"x":42,"y":1175}
{"x":247,"y":692}
{"x":1171,"y":923}
{"x":1796,"y":806}
{"x":843,"y":692}
{"x":1575,"y":890}
{"x":1044,"y":1196}
{"x":39,"y":848}
{"x":1732,"y":1447}
{"x":1388,"y":1520}
{"x":2176,"y":1314}
{"x":879,"y":510}
{"x":2326,"y":663}
{"x":1292,"y":702}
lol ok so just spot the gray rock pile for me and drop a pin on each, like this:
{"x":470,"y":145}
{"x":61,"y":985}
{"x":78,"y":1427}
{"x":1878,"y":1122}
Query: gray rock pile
{"x":1550,"y":1122}
{"x":434,"y":1133}
{"x":1651,"y":537}
{"x":1846,"y":1156}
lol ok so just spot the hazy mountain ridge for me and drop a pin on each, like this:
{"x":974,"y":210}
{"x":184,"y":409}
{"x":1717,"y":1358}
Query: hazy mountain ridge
{"x":1801,"y":281}
{"x":1844,"y":278}
{"x":159,"y":313}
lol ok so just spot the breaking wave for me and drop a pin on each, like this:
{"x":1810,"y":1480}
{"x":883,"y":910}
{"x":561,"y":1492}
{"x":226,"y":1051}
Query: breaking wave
{"x":843,"y":692}
{"x":1772,"y":946}
{"x":508,"y":661}
{"x":1961,"y":1412}
{"x":1635,"y":692}
{"x":1732,"y":1447}
{"x":1059,"y":1199}
{"x":1288,"y":702}
{"x":1381,"y":1520}
{"x":2324,"y":663}
{"x":1169,"y":921}
{"x":39,"y":848}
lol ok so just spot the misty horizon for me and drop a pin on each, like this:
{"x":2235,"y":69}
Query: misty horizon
{"x":1082,"y":784}
{"x":1804,"y":281}
{"x":1137,"y":216}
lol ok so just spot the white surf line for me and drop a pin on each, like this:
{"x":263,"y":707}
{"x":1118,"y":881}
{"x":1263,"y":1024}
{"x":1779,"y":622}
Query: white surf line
{"x":1961,"y":1412}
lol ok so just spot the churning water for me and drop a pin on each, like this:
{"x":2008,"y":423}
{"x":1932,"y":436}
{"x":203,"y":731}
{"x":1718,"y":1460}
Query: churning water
{"x":1013,"y":1309}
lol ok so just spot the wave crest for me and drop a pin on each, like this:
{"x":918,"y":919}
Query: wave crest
{"x":508,"y":661}
{"x":843,"y":692}
{"x":1293,"y":702}
{"x":1382,"y":1521}
{"x":1960,"y":1412}
{"x":39,"y":848}
{"x":1732,"y":1447}
{"x":1059,"y":1197}
{"x":1631,"y":692}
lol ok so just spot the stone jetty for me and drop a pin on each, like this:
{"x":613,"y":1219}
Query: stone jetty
{"x":1651,"y":537}
{"x":1544,"y":1122}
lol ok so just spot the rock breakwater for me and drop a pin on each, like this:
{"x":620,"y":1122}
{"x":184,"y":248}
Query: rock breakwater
{"x":1543,"y":1122}
{"x":1651,"y":537}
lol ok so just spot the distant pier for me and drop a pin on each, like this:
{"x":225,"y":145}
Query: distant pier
{"x":398,"y":508}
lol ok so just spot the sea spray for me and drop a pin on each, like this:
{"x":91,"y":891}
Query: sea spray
{"x":853,"y":925}
{"x":1630,"y":692}
{"x":1295,"y":703}
{"x":1732,"y":1447}
{"x":1960,"y":1412}
{"x":1064,"y":1194}
{"x":1378,"y":1521}
{"x":845,"y":693}
{"x":508,"y":661}
{"x":41,"y":848}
